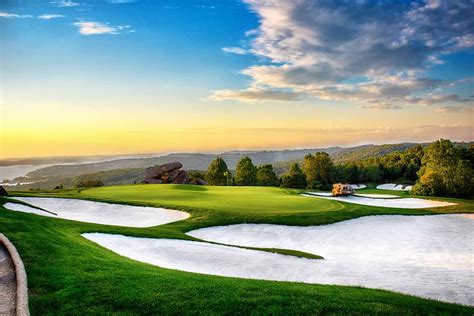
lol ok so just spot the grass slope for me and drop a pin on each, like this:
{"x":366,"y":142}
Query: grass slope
{"x":67,"y":274}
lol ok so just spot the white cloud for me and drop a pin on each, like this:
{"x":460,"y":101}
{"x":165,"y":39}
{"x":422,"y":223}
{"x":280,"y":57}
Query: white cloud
{"x":7,"y":15}
{"x":235,"y":50}
{"x":97,"y":28}
{"x":94,"y":28}
{"x":64,"y":3}
{"x":253,"y":95}
{"x":371,"y":52}
{"x":50,"y":16}
{"x":121,"y":1}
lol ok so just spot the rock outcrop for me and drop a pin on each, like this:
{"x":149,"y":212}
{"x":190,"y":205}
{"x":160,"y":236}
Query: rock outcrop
{"x":170,"y":173}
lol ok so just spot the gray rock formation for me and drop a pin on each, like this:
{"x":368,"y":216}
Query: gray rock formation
{"x":169,"y":173}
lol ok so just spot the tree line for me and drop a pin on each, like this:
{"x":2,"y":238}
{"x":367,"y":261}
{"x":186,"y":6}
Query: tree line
{"x":440,"y":169}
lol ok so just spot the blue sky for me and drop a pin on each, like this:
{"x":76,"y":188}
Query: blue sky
{"x":306,"y":70}
{"x":166,"y":44}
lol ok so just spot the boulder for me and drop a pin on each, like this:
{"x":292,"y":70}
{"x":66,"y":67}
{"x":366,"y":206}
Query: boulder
{"x":201,"y":181}
{"x":171,"y":166}
{"x":3,"y":192}
{"x":153,"y":172}
{"x":156,"y":172}
{"x":172,"y":175}
{"x":180,"y":178}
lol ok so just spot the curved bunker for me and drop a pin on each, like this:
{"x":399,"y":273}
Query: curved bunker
{"x":387,"y":201}
{"x":427,"y":256}
{"x":98,"y":212}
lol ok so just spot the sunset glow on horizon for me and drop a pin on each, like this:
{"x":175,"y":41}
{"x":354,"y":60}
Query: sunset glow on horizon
{"x":128,"y":77}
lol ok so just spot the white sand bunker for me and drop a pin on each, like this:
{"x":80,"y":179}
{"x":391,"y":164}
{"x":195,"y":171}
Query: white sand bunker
{"x":99,"y":213}
{"x":358,"y":186}
{"x":377,"y":196}
{"x":203,"y":257}
{"x":394,"y":187}
{"x":428,"y":256}
{"x":411,"y":203}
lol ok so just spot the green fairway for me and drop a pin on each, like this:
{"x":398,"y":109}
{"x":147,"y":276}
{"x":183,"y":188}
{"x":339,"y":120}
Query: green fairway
{"x":69,"y":275}
{"x":229,"y":205}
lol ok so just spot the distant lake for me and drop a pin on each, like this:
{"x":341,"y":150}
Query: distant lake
{"x":14,"y":171}
{"x":11,"y":172}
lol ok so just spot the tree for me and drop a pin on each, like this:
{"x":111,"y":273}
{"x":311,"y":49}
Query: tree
{"x":266,"y":176}
{"x":353,"y":173}
{"x":218,"y":173}
{"x":319,"y":171}
{"x":295,"y":178}
{"x":430,"y":183}
{"x":372,"y":173}
{"x":309,"y":169}
{"x":246,"y":172}
{"x":412,"y":162}
{"x":446,"y":171}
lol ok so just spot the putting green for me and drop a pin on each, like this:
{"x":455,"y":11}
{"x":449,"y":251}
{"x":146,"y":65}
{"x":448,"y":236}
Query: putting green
{"x":262,"y":200}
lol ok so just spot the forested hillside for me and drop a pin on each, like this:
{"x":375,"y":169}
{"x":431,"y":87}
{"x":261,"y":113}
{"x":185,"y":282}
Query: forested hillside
{"x":131,"y":170}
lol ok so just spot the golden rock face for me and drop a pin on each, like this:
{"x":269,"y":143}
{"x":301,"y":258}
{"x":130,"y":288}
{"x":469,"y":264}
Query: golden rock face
{"x":341,"y":189}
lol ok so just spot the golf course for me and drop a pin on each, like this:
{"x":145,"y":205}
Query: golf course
{"x":69,"y":274}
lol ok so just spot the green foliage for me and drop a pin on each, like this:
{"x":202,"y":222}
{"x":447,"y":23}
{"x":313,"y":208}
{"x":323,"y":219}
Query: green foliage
{"x":319,"y":171}
{"x":395,"y":166}
{"x":90,"y":183}
{"x":266,"y":176}
{"x":245,"y":173}
{"x":295,"y":178}
{"x":218,"y":173}
{"x":446,"y":171}
{"x":197,"y":174}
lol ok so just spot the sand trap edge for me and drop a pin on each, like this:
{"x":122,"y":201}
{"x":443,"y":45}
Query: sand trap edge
{"x":21,"y":307}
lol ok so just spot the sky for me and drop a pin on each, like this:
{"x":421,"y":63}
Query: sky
{"x":98,"y":77}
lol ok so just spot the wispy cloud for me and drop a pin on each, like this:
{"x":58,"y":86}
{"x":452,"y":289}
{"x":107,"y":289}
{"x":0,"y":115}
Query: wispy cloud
{"x":235,"y":50}
{"x":440,"y":98}
{"x":320,"y":48}
{"x":8,"y":15}
{"x":121,"y":1}
{"x":50,"y":16}
{"x":97,"y":28}
{"x":65,"y":3}
{"x":382,"y":107}
{"x":253,"y":95}
{"x":456,"y":109}
{"x":205,"y":7}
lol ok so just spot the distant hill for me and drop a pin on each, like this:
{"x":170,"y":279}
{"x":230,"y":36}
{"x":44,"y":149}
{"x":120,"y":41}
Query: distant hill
{"x":352,"y":154}
{"x":130,"y":170}
{"x":190,"y":161}
{"x":65,"y":159}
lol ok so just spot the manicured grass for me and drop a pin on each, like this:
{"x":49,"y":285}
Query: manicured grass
{"x":289,"y":252}
{"x":68,"y":274}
